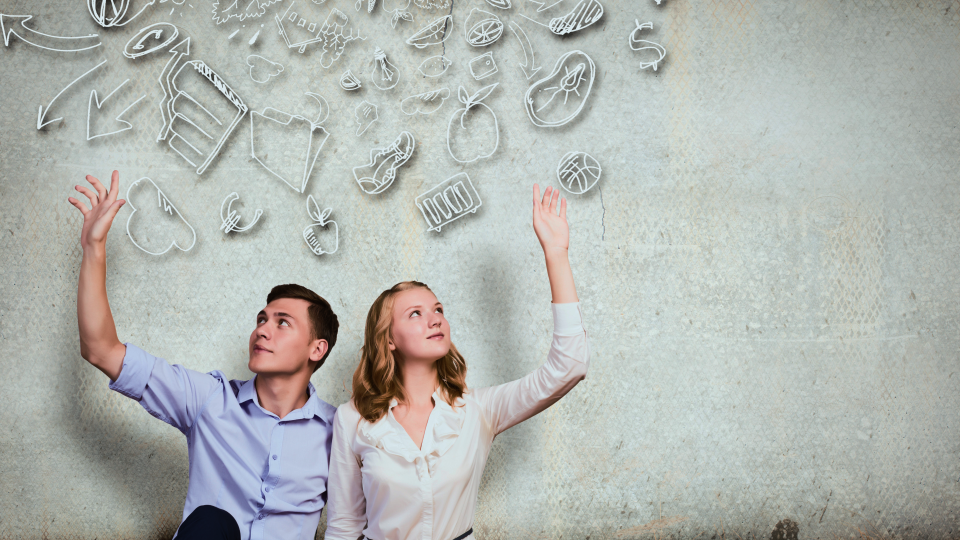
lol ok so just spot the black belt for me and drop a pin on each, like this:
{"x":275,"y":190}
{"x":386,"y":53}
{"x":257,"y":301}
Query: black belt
{"x":461,"y":537}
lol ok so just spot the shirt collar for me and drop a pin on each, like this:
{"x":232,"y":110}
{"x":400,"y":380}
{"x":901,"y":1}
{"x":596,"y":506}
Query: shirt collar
{"x":313,"y":407}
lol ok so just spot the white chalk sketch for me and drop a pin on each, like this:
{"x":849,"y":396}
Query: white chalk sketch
{"x":434,"y":66}
{"x":289,"y":145}
{"x":529,"y":65}
{"x":224,"y":10}
{"x":349,"y":81}
{"x":502,"y":4}
{"x":94,"y":98}
{"x":449,"y":200}
{"x":230,"y":218}
{"x":377,"y":175}
{"x":233,"y":33}
{"x":432,"y":4}
{"x":370,"y":5}
{"x":578,"y":172}
{"x":43,"y":112}
{"x":572,"y":76}
{"x":254,"y":38}
{"x":163,"y":220}
{"x":307,"y":33}
{"x":585,"y":13}
{"x":158,"y":36}
{"x":318,"y":236}
{"x":8,"y":27}
{"x":425,"y":103}
{"x":473,"y":132}
{"x":542,"y":6}
{"x":638,"y":44}
{"x":384,"y":74}
{"x":366,"y":114}
{"x":200,"y":129}
{"x":482,"y":66}
{"x":431,"y":34}
{"x":261,"y":69}
{"x":481,"y":28}
{"x":109,"y":13}
{"x":177,"y":53}
{"x":398,"y":13}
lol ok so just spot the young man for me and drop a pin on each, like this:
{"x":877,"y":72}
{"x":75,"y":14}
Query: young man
{"x":259,"y":449}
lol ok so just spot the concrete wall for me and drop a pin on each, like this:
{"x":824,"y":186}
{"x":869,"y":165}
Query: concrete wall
{"x":768,"y":267}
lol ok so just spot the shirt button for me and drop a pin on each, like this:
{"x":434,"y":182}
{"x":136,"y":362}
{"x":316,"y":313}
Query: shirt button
{"x":268,"y":490}
{"x":274,"y":457}
{"x":260,"y":516}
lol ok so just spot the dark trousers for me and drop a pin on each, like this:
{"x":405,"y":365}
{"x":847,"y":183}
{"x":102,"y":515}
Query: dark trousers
{"x":209,"y":523}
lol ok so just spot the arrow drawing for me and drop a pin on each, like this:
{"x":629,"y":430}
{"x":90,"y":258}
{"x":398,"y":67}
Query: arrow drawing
{"x":95,"y":98}
{"x":543,"y":5}
{"x":8,"y":27}
{"x":178,"y":51}
{"x":529,"y":65}
{"x":43,"y":113}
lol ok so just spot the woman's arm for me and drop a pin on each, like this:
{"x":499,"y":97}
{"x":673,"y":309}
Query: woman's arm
{"x":554,"y":236}
{"x":346,"y":505}
{"x":509,"y":404}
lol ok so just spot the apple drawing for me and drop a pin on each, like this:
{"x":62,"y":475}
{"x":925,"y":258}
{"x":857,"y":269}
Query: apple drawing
{"x":320,"y":236}
{"x":473,"y":132}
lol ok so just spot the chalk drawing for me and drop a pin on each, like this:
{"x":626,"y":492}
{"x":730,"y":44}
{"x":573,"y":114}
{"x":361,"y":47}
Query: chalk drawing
{"x":475,"y":123}
{"x":398,"y":13}
{"x":366,"y":115}
{"x":162,"y":33}
{"x":330,"y":33}
{"x":542,"y":6}
{"x":431,"y":34}
{"x":384,"y":74}
{"x":349,"y":81}
{"x":448,"y":201}
{"x":425,"y":103}
{"x":177,"y":52}
{"x":370,"y":5}
{"x":168,"y":215}
{"x":432,"y":4}
{"x":261,"y":69}
{"x":481,"y":28}
{"x":94,"y":98}
{"x":482,"y":66}
{"x":109,"y":13}
{"x":638,"y":44}
{"x":572,"y":76}
{"x":224,"y":10}
{"x":42,"y":114}
{"x":289,"y":144}
{"x":502,"y":4}
{"x":191,"y":115}
{"x":230,"y":219}
{"x":377,"y":175}
{"x":529,"y":65}
{"x":8,"y":27}
{"x":584,"y":14}
{"x":434,"y":66}
{"x":313,"y":234}
{"x":578,"y":172}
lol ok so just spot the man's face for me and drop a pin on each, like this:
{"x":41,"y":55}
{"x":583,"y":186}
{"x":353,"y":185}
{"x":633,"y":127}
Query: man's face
{"x":282,"y":343}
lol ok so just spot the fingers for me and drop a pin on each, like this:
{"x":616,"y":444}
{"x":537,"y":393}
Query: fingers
{"x":553,"y":201}
{"x":114,"y":187}
{"x":114,"y":208}
{"x":563,"y":209}
{"x":83,"y":209}
{"x":102,"y":191}
{"x":536,"y":202}
{"x":94,"y":199}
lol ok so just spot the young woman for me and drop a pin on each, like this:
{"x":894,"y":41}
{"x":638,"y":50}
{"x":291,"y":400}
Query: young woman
{"x":410,"y":447}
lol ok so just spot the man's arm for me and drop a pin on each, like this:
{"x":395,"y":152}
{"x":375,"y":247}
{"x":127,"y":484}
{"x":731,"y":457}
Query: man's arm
{"x":99,"y":343}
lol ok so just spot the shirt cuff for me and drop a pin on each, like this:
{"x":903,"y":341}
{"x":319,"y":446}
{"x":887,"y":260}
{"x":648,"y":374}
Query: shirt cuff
{"x":567,"y":320}
{"x":135,"y":373}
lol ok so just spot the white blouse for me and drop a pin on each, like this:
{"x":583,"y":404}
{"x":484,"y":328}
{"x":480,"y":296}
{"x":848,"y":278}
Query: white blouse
{"x":383,"y":487}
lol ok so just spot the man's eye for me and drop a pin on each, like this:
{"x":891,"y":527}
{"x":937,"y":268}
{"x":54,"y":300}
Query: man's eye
{"x":284,"y":322}
{"x":261,"y":320}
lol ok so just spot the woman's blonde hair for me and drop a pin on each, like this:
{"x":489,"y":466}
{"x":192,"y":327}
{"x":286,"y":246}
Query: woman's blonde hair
{"x":378,"y":379}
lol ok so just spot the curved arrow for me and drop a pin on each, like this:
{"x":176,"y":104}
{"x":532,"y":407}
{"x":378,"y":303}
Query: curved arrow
{"x":178,"y":51}
{"x":8,"y":27}
{"x":529,"y":67}
{"x":543,"y":5}
{"x":95,"y":98}
{"x":43,"y":113}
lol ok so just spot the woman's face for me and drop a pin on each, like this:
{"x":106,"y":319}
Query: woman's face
{"x":419,"y":330}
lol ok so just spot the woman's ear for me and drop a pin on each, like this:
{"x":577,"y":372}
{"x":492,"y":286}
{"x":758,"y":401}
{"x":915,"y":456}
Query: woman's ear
{"x":391,"y":345}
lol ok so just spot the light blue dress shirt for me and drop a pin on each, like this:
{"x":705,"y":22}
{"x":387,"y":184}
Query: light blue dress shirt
{"x":269,"y":474}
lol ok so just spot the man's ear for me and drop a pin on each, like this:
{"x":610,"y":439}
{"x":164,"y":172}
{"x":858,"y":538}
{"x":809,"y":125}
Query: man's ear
{"x":318,"y":349}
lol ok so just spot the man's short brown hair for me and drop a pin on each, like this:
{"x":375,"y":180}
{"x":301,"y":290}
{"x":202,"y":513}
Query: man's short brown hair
{"x":324,"y":323}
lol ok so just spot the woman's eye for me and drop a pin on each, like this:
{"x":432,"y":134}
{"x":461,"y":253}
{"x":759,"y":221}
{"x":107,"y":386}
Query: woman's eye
{"x":440,"y":310}
{"x":415,"y":313}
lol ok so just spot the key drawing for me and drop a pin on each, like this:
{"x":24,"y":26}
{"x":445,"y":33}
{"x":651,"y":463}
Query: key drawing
{"x":448,"y":201}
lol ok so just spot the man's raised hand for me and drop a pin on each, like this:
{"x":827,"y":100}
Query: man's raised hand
{"x":104,"y":206}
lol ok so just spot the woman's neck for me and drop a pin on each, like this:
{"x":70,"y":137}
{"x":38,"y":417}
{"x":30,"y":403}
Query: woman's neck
{"x":419,"y":381}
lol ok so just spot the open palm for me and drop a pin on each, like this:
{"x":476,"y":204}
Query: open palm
{"x":550,"y":226}
{"x":104,"y":206}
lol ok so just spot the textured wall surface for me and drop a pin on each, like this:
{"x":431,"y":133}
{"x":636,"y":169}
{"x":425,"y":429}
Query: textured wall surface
{"x":768,"y":266}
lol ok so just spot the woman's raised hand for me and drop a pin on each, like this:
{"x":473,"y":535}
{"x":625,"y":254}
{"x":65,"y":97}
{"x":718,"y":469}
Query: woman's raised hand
{"x":104,"y":206}
{"x":551,"y":227}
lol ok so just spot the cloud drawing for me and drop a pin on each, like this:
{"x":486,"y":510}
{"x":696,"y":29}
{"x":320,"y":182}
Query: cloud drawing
{"x":261,"y":69}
